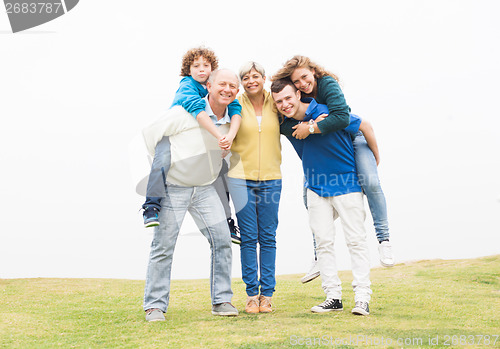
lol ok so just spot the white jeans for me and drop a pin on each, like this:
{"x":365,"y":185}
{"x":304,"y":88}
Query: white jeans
{"x":322,"y":213}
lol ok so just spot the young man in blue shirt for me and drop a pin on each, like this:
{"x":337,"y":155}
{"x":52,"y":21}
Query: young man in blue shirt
{"x":332,"y":191}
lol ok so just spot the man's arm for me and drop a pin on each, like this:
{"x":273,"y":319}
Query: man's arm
{"x":369,"y":134}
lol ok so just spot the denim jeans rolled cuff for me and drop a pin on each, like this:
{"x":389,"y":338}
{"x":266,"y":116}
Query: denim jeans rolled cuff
{"x":256,"y":204}
{"x":156,"y":189}
{"x":366,"y":166}
{"x":206,"y":209}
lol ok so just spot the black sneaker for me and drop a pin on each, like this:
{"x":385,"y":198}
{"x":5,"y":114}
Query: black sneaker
{"x":150,"y":215}
{"x":361,"y":308}
{"x":235,"y":231}
{"x":330,"y":304}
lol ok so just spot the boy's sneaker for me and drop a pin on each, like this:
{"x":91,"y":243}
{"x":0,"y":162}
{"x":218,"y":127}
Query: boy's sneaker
{"x":312,"y":274}
{"x":330,"y":304}
{"x":150,"y":215}
{"x":361,"y":308}
{"x":224,"y":309}
{"x":385,"y":252}
{"x":154,"y":314}
{"x":235,"y":231}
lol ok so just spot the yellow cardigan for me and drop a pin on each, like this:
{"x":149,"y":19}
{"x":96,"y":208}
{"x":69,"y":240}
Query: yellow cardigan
{"x":256,"y":151}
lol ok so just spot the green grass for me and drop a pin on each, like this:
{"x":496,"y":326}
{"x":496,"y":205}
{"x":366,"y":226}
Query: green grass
{"x":411,"y":302}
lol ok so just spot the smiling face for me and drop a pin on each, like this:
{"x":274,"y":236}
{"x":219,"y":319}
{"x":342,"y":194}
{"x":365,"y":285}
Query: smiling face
{"x":287,"y":101}
{"x":253,"y":82}
{"x":200,"y":69}
{"x":303,"y":79}
{"x":223,"y":87}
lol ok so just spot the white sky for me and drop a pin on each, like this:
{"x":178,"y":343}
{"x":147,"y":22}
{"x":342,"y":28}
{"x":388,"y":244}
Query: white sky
{"x":77,"y":90}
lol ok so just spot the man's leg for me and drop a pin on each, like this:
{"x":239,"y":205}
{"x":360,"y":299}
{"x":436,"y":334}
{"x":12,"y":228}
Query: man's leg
{"x":174,"y":207}
{"x":208,"y":214}
{"x":351,"y":211}
{"x":321,"y":220}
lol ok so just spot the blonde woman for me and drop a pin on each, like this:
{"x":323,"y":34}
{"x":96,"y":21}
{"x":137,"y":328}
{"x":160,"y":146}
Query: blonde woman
{"x":255,"y":186}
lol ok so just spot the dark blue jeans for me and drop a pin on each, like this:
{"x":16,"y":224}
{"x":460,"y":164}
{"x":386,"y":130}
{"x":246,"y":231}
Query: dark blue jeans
{"x":256,"y":204}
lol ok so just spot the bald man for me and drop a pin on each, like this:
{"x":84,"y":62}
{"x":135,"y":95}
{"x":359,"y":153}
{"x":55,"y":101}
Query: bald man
{"x":196,"y":160}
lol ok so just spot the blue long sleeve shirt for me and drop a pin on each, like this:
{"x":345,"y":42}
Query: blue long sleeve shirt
{"x":328,"y":160}
{"x":190,"y":96}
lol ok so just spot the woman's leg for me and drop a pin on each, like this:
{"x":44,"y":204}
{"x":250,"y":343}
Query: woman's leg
{"x":268,"y":197}
{"x":244,"y":200}
{"x":368,"y":178}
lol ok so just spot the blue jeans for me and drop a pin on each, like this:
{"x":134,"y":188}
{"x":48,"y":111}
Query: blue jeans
{"x":156,"y":189}
{"x":256,"y":204}
{"x":206,"y":209}
{"x":366,"y":166}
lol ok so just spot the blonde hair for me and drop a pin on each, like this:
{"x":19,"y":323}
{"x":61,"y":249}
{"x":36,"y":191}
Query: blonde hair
{"x":248,"y":66}
{"x":301,"y":62}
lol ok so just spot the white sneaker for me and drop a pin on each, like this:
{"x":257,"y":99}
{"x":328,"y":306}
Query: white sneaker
{"x":313,"y":272}
{"x":386,"y":256}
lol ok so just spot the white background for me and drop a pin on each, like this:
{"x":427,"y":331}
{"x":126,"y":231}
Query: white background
{"x":75,"y":92}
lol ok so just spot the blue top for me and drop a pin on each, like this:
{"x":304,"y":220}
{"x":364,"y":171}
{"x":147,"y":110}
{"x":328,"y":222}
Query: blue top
{"x":328,"y":160}
{"x":190,"y":96}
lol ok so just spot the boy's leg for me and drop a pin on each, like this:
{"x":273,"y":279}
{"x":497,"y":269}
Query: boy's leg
{"x":220,"y":185}
{"x":350,"y":208}
{"x":208,"y":214}
{"x":222,"y":189}
{"x":322,"y":215}
{"x":157,"y":289}
{"x":366,"y":166}
{"x":156,"y":189}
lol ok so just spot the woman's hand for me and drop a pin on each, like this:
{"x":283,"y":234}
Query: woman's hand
{"x":301,"y":130}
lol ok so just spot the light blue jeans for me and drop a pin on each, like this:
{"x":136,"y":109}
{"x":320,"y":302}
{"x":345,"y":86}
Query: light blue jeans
{"x":206,"y":209}
{"x":256,"y":204}
{"x":366,"y":166}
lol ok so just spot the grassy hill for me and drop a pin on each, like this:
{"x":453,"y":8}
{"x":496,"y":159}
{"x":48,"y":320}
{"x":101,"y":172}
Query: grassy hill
{"x":452,"y":303}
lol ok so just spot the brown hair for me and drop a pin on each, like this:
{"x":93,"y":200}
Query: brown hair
{"x":190,"y":56}
{"x":278,"y":85}
{"x":301,"y":62}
